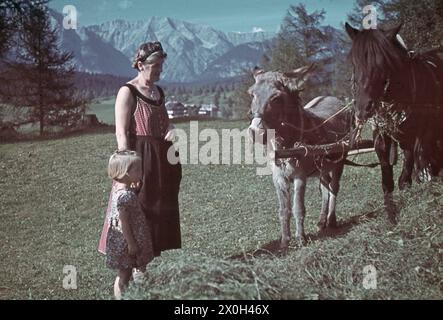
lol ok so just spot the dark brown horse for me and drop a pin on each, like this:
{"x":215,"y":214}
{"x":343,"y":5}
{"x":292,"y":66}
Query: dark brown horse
{"x":386,"y":73}
{"x":276,"y":105}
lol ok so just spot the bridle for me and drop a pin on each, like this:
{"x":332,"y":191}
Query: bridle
{"x":281,"y":123}
{"x":257,"y":115}
{"x":301,"y":129}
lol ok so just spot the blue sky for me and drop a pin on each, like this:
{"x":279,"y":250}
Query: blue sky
{"x":225,"y":15}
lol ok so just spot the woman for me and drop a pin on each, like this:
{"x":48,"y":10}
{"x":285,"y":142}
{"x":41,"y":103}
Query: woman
{"x":142,"y":124}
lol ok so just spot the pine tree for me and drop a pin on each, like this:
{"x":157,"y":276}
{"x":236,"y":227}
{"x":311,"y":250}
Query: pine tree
{"x":304,"y":30}
{"x":6,"y":28}
{"x":302,"y":40}
{"x":285,"y":56}
{"x":216,"y":98}
{"x":226,"y":109}
{"x":11,"y":14}
{"x":357,"y":15}
{"x":43,"y":74}
{"x":422,"y":20}
{"x":241,"y":98}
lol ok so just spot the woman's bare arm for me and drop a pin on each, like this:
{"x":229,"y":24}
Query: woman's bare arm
{"x":123,"y":108}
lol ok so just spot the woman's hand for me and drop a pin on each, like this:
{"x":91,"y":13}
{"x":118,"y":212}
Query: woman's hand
{"x":136,"y":186}
{"x":170,"y":136}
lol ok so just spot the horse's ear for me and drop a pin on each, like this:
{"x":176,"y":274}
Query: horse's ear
{"x":351,"y":31}
{"x":392,"y":33}
{"x":256,"y":71}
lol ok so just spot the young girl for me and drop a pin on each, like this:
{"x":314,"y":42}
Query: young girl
{"x":128,"y":242}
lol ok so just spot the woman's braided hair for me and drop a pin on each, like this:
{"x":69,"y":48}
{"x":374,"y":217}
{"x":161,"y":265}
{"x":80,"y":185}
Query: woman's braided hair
{"x":146,"y":50}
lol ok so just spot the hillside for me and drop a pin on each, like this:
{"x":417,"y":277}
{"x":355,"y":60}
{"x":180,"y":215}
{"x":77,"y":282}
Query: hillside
{"x":54,"y":198}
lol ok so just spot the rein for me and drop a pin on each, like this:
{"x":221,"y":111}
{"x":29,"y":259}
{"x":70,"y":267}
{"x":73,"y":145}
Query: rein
{"x":320,"y":152}
{"x":321,"y":124}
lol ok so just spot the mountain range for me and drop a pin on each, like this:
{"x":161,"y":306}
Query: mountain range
{"x":195,"y":52}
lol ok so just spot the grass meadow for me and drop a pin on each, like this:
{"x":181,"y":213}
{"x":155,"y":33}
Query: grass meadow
{"x":54,"y":195}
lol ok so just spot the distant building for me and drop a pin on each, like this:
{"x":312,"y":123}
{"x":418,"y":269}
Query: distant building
{"x":175,"y":109}
{"x":191,"y":109}
{"x":210,"y":110}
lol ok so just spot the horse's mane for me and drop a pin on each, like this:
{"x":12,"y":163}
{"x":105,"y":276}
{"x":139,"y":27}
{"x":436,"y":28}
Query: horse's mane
{"x":375,"y":56}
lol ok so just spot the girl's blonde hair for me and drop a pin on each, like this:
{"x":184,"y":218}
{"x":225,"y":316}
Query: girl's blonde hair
{"x":120,"y":162}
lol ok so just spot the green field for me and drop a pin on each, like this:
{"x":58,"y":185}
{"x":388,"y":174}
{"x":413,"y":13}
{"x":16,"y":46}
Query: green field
{"x":54,"y":195}
{"x":104,"y":110}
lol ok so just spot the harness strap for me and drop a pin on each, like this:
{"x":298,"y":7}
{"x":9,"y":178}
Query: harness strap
{"x":321,"y":124}
{"x":354,"y":164}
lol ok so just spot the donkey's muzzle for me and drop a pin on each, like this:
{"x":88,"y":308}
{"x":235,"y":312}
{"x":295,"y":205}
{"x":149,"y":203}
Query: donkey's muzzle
{"x":257,"y":131}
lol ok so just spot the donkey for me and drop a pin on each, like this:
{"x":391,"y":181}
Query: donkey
{"x":276,"y":105}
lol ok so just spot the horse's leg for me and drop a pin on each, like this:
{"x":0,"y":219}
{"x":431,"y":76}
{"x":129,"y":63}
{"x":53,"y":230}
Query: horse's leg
{"x":282,"y":187}
{"x":382,"y":147}
{"x":405,"y":179}
{"x":334,"y":187}
{"x":324,"y":183}
{"x":407,"y":135}
{"x":298,"y":209}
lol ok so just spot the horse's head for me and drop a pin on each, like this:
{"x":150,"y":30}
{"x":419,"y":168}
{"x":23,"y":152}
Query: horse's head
{"x":376,"y":55}
{"x":274,"y":96}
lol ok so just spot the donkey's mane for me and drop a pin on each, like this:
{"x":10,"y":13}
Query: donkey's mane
{"x":375,"y":56}
{"x":296,"y":109}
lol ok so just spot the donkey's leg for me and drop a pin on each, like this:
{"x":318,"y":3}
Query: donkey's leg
{"x":382,"y":147}
{"x":334,"y":187}
{"x":324,"y":183}
{"x":299,"y":208}
{"x":282,"y":187}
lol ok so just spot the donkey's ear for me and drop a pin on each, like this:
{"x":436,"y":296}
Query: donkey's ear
{"x":298,"y":77}
{"x":256,"y":71}
{"x":352,"y":32}
{"x":392,"y":33}
{"x":301,"y":72}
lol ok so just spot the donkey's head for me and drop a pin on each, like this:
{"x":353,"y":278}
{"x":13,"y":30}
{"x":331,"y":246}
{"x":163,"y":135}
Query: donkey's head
{"x":275,"y":97}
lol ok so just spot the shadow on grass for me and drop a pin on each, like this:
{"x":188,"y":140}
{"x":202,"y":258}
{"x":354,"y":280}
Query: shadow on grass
{"x":272,"y":248}
{"x":343,"y":227}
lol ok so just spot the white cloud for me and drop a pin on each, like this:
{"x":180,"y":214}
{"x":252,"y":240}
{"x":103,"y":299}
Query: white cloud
{"x":125,"y":4}
{"x":257,"y":29}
